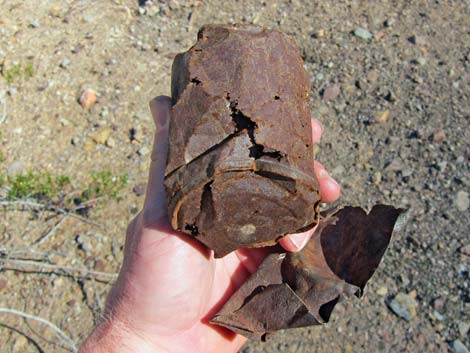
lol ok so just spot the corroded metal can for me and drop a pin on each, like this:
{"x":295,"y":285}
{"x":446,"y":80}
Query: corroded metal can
{"x":240,"y":162}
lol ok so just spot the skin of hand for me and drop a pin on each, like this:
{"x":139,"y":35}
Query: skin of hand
{"x":170,"y":285}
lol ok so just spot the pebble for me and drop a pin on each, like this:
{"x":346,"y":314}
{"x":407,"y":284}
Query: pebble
{"x":382,"y":291}
{"x":373,"y":75}
{"x":3,"y":284}
{"x":65,"y":63}
{"x":110,"y":142}
{"x":421,"y":61}
{"x":465,"y":250}
{"x":139,"y":189}
{"x":438,"y":316}
{"x":16,"y":168}
{"x":403,"y":306}
{"x":417,"y":40}
{"x":143,"y":151}
{"x":394,"y":166}
{"x":382,"y":117}
{"x":458,"y":347}
{"x":34,"y":24}
{"x":84,"y":244}
{"x":438,"y":135}
{"x":87,"y":98}
{"x":462,"y":201}
{"x":389,"y":22}
{"x":101,"y":136}
{"x":438,"y":304}
{"x":331,"y":92}
{"x":377,"y":177}
{"x":463,"y":328}
{"x":362,"y":33}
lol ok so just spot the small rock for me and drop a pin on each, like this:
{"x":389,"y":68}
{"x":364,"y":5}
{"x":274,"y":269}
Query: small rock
{"x":382,"y":291}
{"x":389,"y":22}
{"x":417,"y":40}
{"x":394,"y":166}
{"x":390,"y":97}
{"x":458,"y":347}
{"x":403,"y":306}
{"x":406,"y":172}
{"x":101,"y":136}
{"x":362,"y":33}
{"x":438,"y":304}
{"x":143,"y":151}
{"x":462,"y":201}
{"x":34,"y":24}
{"x":3,"y":284}
{"x":421,"y":61}
{"x":379,"y":35}
{"x":110,"y":142}
{"x":65,"y":63}
{"x":87,"y":98}
{"x":139,"y":189}
{"x":16,"y":168}
{"x":89,"y":145}
{"x":377,"y":177}
{"x":463,"y":328}
{"x":11,"y":91}
{"x":84,"y":244}
{"x":99,"y":265}
{"x":382,"y":117}
{"x":438,"y":316}
{"x":331,"y":92}
{"x":71,"y":302}
{"x":465,"y":250}
{"x":372,"y":76}
{"x":441,"y":166}
{"x":438,"y":135}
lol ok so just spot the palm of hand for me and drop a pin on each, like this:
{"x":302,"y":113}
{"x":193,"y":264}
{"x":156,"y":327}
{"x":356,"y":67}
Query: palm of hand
{"x":170,"y":285}
{"x":189,"y":283}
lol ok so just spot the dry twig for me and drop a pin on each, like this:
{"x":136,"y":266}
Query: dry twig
{"x":37,"y":205}
{"x":51,"y":231}
{"x":72,"y":271}
{"x":3,"y":100}
{"x":58,"y":331}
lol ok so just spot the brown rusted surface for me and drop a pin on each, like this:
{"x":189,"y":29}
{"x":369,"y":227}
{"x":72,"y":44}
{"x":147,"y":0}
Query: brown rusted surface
{"x":240,"y":160}
{"x":301,"y":289}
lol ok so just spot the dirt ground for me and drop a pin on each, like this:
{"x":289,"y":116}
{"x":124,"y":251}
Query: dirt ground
{"x":390,"y":84}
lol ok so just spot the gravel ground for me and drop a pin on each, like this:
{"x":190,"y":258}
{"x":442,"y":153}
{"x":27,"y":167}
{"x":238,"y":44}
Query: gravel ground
{"x":390,"y":84}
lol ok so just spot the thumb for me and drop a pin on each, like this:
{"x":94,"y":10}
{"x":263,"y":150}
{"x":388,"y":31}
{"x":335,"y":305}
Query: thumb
{"x":155,"y":207}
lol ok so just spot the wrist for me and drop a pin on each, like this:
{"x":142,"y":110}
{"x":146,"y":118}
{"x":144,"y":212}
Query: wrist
{"x":111,"y":336}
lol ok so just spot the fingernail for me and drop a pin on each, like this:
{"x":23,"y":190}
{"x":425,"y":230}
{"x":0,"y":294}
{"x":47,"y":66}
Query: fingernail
{"x":332,"y":180}
{"x":160,"y":108}
{"x":299,"y":240}
{"x":323,"y":174}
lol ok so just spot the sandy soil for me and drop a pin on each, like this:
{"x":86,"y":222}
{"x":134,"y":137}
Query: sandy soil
{"x":394,"y":101}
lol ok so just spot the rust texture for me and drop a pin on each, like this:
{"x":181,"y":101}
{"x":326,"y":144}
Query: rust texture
{"x":301,"y":289}
{"x":240,"y":161}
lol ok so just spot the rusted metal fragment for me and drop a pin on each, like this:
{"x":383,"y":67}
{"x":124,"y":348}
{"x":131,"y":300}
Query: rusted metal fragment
{"x":301,"y":289}
{"x":240,"y":159}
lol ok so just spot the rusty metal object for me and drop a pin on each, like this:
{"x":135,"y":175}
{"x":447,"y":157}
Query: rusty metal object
{"x":240,"y":161}
{"x":301,"y":289}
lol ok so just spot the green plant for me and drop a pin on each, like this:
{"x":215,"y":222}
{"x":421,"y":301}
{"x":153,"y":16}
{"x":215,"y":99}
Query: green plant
{"x":36,"y":185}
{"x":104,"y":183}
{"x":16,"y":71}
{"x":12,"y":73}
{"x":28,"y":70}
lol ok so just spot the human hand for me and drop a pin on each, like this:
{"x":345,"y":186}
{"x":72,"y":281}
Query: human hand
{"x":170,"y":285}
